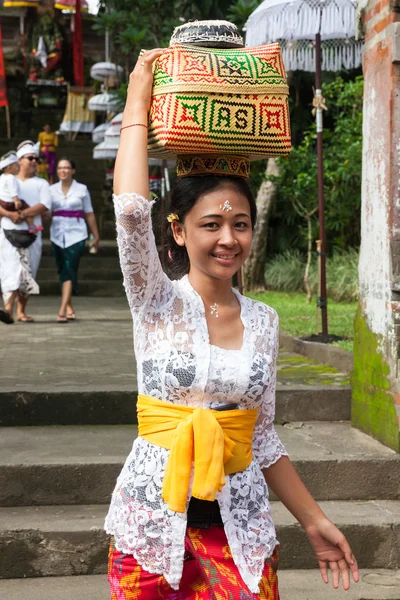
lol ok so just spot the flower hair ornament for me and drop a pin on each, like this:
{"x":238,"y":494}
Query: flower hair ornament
{"x":172,"y":217}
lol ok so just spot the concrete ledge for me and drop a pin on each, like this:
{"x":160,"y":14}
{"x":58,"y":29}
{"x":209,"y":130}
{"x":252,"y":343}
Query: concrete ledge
{"x":69,"y":540}
{"x":293,"y":403}
{"x":79,"y":465}
{"x":324,"y":353}
{"x":312,"y":403}
{"x":375,"y":584}
{"x":64,"y":484}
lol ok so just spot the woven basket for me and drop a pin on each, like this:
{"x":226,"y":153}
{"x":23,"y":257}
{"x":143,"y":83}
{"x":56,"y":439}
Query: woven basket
{"x":213,"y":101}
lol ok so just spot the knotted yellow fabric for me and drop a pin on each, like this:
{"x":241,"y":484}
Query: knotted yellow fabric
{"x":218,"y":442}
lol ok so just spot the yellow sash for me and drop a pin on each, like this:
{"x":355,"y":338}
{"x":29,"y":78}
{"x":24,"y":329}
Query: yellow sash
{"x":219,"y":443}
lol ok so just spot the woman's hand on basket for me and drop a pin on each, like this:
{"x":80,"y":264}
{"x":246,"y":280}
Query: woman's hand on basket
{"x":141,"y":82}
{"x":332,"y":548}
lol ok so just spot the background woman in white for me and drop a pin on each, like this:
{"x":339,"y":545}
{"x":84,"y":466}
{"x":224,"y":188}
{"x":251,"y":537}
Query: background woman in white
{"x":72,"y":209}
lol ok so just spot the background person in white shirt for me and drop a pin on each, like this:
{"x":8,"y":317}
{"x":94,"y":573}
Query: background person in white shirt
{"x":10,"y":190}
{"x":15,"y":270}
{"x":36,"y":192}
{"x":72,"y":209}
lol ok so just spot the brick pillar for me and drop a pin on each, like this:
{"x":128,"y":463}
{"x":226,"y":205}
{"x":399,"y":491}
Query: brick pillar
{"x":376,"y":377}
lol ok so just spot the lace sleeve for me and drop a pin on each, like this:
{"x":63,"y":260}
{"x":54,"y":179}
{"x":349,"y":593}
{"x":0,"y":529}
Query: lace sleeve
{"x":267,"y":447}
{"x":138,"y":255}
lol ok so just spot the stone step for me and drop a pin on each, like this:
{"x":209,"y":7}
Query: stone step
{"x":88,"y":262}
{"x":95,"y":287}
{"x":108,"y":248}
{"x":300,"y":584}
{"x":306,"y":584}
{"x":69,"y":540}
{"x":86,"y":272}
{"x":107,"y":405}
{"x":79,"y":465}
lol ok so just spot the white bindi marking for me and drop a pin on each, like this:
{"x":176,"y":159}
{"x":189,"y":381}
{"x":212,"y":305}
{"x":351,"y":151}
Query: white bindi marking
{"x":226,"y":206}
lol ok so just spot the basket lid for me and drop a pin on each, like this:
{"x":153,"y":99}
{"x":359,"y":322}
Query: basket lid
{"x":209,"y":34}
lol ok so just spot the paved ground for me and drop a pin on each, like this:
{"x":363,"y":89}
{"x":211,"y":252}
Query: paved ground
{"x":378,"y":584}
{"x":95,"y":352}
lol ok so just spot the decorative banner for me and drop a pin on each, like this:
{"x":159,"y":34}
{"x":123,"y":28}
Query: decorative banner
{"x":62,"y":5}
{"x":20,"y":3}
{"x":77,"y":50}
{"x":3,"y":83}
{"x":71,"y":5}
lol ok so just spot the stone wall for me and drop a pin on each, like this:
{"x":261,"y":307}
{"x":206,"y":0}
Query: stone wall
{"x":376,"y":384}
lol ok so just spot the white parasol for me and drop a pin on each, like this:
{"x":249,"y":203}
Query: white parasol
{"x":103,"y":102}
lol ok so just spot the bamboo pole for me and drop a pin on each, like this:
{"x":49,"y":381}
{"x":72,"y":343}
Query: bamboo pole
{"x":8,"y":121}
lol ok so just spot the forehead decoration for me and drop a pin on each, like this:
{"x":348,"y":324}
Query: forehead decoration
{"x":226,"y":206}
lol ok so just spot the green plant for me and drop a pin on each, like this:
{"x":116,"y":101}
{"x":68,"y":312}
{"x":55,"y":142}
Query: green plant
{"x":285,"y":271}
{"x":342,"y":175}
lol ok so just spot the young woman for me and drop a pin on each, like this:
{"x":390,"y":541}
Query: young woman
{"x":48,"y":143}
{"x":206,"y":361}
{"x":72,"y":209}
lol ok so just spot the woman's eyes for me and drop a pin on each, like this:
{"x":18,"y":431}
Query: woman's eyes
{"x":239,"y":225}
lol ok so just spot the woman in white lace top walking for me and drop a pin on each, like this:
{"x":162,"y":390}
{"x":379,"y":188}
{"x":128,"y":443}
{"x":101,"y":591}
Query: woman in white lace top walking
{"x":190,"y":516}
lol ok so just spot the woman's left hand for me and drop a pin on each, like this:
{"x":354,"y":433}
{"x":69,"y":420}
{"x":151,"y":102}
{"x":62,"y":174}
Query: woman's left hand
{"x":95,"y":244}
{"x":331,"y":547}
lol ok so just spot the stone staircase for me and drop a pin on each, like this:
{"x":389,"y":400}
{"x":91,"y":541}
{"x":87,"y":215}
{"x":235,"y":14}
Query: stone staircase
{"x":99,"y":274}
{"x":59,"y":461}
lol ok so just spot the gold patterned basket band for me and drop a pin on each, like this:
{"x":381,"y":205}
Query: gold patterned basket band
{"x":189,"y":165}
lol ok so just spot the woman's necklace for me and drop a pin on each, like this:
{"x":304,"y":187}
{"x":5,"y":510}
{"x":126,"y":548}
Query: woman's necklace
{"x":214,"y":310}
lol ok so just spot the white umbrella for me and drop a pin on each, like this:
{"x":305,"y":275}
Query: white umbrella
{"x":311,"y":32}
{"x":98,"y":133}
{"x":103,"y":70}
{"x":103,"y":102}
{"x":114,"y":126}
{"x":295,"y":23}
{"x":107,"y":149}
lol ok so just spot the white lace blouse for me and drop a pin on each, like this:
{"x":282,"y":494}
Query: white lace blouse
{"x":176,"y":363}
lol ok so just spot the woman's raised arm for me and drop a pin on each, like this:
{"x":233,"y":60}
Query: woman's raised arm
{"x":131,"y":173}
{"x":140,"y":264}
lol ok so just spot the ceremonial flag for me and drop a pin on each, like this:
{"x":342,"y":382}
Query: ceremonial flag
{"x":78,"y":46}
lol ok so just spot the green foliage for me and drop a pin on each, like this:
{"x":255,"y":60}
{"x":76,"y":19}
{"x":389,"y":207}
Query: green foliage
{"x":149,"y":24}
{"x":240,"y":11}
{"x":285,"y":273}
{"x":300,"y":319}
{"x":342,"y":174}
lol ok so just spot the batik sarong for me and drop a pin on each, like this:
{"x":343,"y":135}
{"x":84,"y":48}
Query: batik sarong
{"x":209,"y":573}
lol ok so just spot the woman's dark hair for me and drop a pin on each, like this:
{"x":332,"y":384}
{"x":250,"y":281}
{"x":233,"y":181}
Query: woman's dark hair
{"x":184,"y":196}
{"x":71,"y":162}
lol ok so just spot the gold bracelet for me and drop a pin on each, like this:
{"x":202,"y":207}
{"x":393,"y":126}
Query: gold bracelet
{"x":134,"y":125}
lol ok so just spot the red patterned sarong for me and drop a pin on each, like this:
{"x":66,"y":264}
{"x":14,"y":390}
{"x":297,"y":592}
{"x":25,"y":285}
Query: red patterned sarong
{"x":209,"y":573}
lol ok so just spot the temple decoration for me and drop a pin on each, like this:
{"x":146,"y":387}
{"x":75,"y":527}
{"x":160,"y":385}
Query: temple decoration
{"x":48,"y":46}
{"x":103,"y":71}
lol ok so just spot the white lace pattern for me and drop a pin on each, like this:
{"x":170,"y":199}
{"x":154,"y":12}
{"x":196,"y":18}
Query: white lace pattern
{"x":177,"y":364}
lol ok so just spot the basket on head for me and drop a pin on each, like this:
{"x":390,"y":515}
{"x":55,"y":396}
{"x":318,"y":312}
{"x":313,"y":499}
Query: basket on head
{"x":211,"y":101}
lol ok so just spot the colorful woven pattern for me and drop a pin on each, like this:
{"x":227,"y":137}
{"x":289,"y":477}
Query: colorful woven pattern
{"x":215,"y":101}
{"x":209,"y":573}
